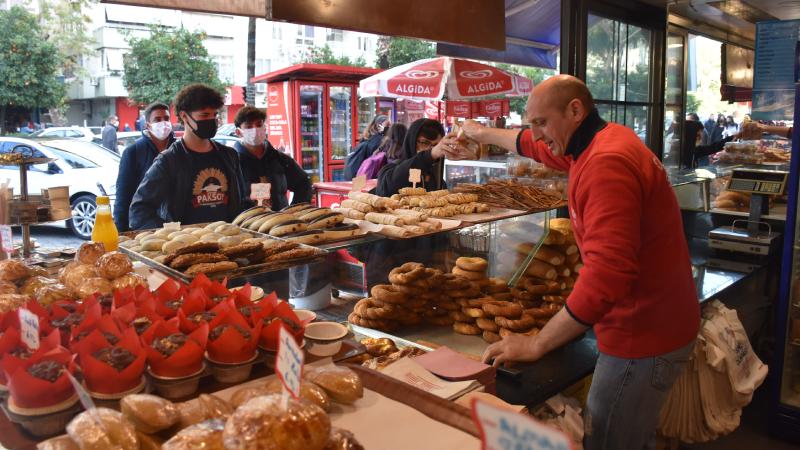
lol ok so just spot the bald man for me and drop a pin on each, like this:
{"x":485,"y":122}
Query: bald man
{"x":636,"y":287}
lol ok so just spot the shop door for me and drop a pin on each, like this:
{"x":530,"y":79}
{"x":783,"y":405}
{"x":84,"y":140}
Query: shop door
{"x":674,"y":98}
{"x":342,"y":137}
{"x":311,"y":130}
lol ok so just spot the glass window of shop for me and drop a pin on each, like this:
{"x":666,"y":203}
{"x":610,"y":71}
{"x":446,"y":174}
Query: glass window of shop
{"x":674,"y":92}
{"x":618,"y":68}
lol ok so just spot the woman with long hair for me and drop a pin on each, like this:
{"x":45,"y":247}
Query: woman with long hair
{"x":369,"y":142}
{"x":392,"y":143}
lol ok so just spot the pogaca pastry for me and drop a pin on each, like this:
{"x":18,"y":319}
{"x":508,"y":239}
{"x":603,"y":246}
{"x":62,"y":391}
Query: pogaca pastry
{"x":149,"y":413}
{"x":112,"y":431}
{"x":341,"y":383}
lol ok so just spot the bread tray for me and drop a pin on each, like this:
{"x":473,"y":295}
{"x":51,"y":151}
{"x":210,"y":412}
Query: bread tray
{"x":240,"y":272}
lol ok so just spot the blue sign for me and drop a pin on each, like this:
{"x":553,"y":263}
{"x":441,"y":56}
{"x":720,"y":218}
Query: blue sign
{"x":774,"y":73}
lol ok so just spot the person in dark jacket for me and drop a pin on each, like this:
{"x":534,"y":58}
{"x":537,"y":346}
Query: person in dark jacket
{"x":261,"y":163}
{"x":424,"y":148}
{"x":370,"y":141}
{"x":138,"y":157}
{"x":195,"y":180}
{"x":109,"y":133}
{"x":693,"y":152}
{"x":392,"y":144}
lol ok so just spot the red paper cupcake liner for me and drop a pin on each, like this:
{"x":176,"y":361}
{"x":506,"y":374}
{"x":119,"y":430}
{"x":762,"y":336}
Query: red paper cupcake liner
{"x":186,"y":360}
{"x":231,"y":347}
{"x":104,"y":379}
{"x":28,"y":391}
{"x":9,"y":362}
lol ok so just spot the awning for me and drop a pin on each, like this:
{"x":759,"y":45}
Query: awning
{"x":533,"y":36}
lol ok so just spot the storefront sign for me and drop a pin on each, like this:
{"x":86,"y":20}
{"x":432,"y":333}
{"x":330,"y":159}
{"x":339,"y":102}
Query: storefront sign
{"x":260,"y":192}
{"x":29,"y":328}
{"x":494,"y":108}
{"x":504,"y":429}
{"x":414,"y":176}
{"x":279,"y":130}
{"x":289,"y":364}
{"x":774,"y":73}
{"x":456,"y":108}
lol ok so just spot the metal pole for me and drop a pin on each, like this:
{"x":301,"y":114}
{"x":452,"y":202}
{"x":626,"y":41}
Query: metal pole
{"x":26,"y":228}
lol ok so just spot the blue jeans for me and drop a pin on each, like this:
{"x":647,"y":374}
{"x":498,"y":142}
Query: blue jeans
{"x":626,"y":398}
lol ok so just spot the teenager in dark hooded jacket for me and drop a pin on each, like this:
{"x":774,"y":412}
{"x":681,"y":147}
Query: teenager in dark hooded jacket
{"x":694,"y":154}
{"x":424,"y":148}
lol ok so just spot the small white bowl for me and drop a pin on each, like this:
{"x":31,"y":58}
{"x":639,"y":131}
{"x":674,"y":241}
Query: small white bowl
{"x":305,"y":315}
{"x":256,"y":293}
{"x":325,"y":338}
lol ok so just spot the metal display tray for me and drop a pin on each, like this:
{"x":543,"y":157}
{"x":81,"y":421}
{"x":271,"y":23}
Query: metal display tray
{"x":241,"y":272}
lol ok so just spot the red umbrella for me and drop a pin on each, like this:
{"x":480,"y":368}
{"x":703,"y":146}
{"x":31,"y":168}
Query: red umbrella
{"x":444,"y":77}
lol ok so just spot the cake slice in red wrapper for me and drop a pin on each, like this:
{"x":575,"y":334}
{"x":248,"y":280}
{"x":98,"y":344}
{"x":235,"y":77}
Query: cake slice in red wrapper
{"x":169,"y":297}
{"x":112,"y":369}
{"x":105,"y":327}
{"x":231,"y":338}
{"x":272,"y":318}
{"x":193,"y":311}
{"x":41,"y":381}
{"x":175,"y":357}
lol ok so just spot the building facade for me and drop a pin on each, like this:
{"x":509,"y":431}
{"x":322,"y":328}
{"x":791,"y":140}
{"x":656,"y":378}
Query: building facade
{"x":278,"y":45}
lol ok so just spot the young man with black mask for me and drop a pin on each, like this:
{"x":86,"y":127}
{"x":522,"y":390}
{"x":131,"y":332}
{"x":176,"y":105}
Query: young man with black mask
{"x":196,"y":180}
{"x":261,"y":163}
{"x":156,"y":137}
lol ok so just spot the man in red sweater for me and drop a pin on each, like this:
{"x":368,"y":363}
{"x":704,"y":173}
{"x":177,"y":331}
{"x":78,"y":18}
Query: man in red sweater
{"x":636,"y":287}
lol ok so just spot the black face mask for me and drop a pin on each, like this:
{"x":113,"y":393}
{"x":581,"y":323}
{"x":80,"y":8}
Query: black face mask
{"x":204,"y":129}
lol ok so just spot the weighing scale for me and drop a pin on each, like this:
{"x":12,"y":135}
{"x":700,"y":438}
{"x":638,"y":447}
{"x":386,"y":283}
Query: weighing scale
{"x":752,"y":240}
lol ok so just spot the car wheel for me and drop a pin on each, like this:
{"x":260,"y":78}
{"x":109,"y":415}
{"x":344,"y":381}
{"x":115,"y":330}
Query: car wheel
{"x":83,"y":212}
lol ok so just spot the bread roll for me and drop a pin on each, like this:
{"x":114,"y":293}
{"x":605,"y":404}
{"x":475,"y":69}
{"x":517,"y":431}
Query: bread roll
{"x":550,"y":255}
{"x":341,"y":383}
{"x":149,"y":413}
{"x":357,"y":205}
{"x":541,"y":269}
{"x":385,"y":219}
{"x":116,"y":431}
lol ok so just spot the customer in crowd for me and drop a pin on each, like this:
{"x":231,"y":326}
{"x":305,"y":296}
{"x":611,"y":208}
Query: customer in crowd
{"x":109,"y":133}
{"x":424,"y":148}
{"x":138,"y":157}
{"x":195,"y":180}
{"x":693,"y":116}
{"x":261,"y":163}
{"x":141,"y":122}
{"x":731,"y":127}
{"x":389,"y":151}
{"x":636,"y":287}
{"x":369,"y":142}
{"x":714,"y":133}
{"x":693,"y":152}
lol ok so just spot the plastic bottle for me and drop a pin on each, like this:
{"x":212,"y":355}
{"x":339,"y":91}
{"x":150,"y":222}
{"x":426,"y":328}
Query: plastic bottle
{"x":104,"y":229}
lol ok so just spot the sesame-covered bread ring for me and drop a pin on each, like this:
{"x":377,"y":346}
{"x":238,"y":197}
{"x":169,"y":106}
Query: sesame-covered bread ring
{"x":503,"y":309}
{"x":472,"y":264}
{"x":524,"y":323}
{"x":386,"y":293}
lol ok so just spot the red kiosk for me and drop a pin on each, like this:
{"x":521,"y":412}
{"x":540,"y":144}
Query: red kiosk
{"x":313,"y":114}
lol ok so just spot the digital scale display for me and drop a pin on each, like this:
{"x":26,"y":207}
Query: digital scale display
{"x":758,"y":181}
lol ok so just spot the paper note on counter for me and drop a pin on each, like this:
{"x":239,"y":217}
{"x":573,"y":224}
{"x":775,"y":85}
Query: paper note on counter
{"x":409,"y":371}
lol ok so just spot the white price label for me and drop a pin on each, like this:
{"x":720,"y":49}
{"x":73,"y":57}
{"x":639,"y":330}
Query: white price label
{"x":86,"y":400}
{"x":7,"y":238}
{"x":414,"y":176}
{"x":359,"y":182}
{"x":289,"y":363}
{"x":260,"y":192}
{"x":504,"y":429}
{"x":29,"y":328}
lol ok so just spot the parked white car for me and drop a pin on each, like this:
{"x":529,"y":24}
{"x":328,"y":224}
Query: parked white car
{"x":80,"y":133}
{"x":88,"y":169}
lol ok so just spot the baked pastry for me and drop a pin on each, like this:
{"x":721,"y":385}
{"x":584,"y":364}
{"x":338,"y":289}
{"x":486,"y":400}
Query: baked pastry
{"x":243,"y":394}
{"x":308,"y":391}
{"x":204,"y":407}
{"x":10,"y":302}
{"x":13,"y":270}
{"x":116,"y":357}
{"x":73,"y":274}
{"x":221,"y":266}
{"x":51,"y":293}
{"x":7,"y":287}
{"x":92,"y":286}
{"x":149,"y":413}
{"x":149,"y":442}
{"x":261,"y":423}
{"x":30,"y":285}
{"x":341,"y":383}
{"x":129,"y":280}
{"x":169,"y":344}
{"x":342,"y":440}
{"x":116,"y":431}
{"x":113,"y":265}
{"x":205,"y":435}
{"x":58,"y":443}
{"x":90,"y":252}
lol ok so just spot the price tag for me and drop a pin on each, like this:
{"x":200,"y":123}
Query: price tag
{"x":359,"y":182}
{"x":503,"y":429}
{"x":7,"y":239}
{"x":260,"y":192}
{"x":289,"y":365}
{"x":29,"y":328}
{"x":414,"y":176}
{"x":86,"y":400}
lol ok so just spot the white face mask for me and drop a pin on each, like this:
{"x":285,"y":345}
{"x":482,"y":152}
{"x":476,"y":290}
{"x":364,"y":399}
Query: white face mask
{"x":160,"y":130}
{"x":254,"y":136}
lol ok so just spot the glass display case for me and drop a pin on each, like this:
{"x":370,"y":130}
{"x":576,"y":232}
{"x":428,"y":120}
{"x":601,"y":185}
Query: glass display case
{"x":478,"y":171}
{"x":311,"y":130}
{"x":340,"y":115}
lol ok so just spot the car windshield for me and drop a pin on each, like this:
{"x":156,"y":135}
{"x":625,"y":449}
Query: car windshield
{"x":74,"y":161}
{"x":98,"y":155}
{"x":38,"y":133}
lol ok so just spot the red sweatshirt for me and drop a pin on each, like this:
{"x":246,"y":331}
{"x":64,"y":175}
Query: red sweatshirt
{"x":636,"y":286}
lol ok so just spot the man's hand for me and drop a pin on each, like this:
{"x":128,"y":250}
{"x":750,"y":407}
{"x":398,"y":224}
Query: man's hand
{"x":750,"y":130}
{"x":473,"y":129}
{"x":451,"y":148}
{"x":515,"y":347}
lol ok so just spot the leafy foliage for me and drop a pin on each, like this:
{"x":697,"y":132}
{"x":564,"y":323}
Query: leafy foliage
{"x":536,"y":74}
{"x":29,"y":64}
{"x":158,"y":66}
{"x":68,"y":21}
{"x":324,"y":55}
{"x":395,"y":51}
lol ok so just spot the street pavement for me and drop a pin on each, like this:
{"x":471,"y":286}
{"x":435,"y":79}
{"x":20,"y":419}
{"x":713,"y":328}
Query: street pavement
{"x":55,"y":236}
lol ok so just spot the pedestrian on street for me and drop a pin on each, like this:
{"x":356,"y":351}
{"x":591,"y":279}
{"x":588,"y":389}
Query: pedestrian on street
{"x":109,"y":133}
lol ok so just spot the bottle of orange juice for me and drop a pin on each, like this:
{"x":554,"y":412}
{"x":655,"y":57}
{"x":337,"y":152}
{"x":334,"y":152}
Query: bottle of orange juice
{"x":104,"y":229}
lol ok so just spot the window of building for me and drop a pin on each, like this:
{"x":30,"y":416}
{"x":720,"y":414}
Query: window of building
{"x":114,"y":60}
{"x":334,"y":35}
{"x":277,"y":32}
{"x":305,"y":35}
{"x":224,"y":67}
{"x":263,"y":66}
{"x":363,"y":43}
{"x":618,"y":72}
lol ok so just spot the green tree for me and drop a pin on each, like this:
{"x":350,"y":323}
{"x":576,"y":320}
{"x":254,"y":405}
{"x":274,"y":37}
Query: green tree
{"x":29,"y":64}
{"x":536,"y":74}
{"x":158,"y":66}
{"x":69,"y":23}
{"x":395,"y":51}
{"x":324,"y":55}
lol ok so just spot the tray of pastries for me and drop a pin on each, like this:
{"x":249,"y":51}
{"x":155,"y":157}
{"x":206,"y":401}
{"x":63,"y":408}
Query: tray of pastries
{"x":217,"y":249}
